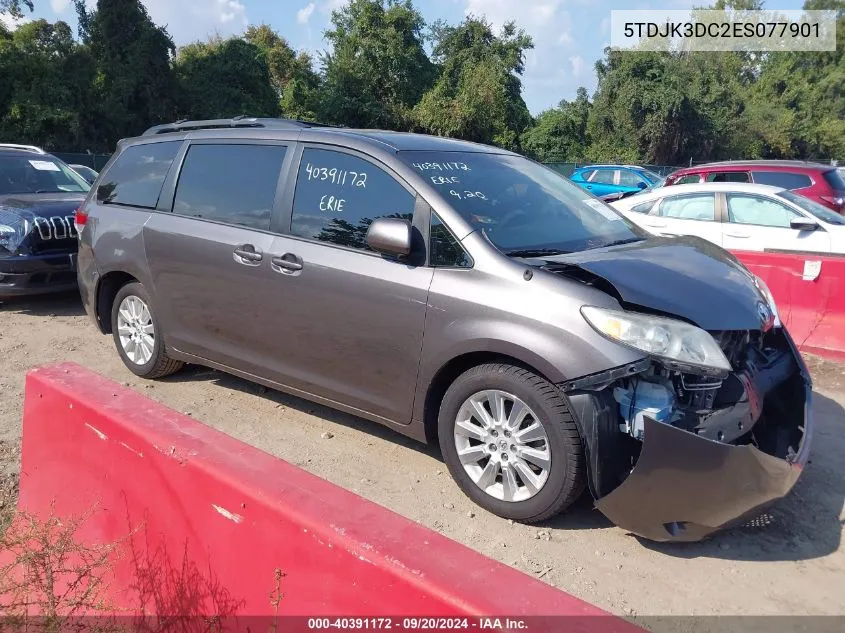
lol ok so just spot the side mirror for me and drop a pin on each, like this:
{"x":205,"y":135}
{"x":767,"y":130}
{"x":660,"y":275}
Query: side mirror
{"x":804,"y":224}
{"x":390,"y":236}
{"x":642,"y":185}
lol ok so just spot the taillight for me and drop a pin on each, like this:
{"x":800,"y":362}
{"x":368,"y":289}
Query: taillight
{"x":836,"y":201}
{"x":80,"y":218}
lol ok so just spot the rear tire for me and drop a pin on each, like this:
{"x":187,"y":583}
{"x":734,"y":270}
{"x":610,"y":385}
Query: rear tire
{"x":518,"y":453}
{"x":137,"y":335}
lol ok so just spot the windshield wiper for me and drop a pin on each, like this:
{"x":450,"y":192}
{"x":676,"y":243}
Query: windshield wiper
{"x":534,"y":252}
{"x":629,"y":240}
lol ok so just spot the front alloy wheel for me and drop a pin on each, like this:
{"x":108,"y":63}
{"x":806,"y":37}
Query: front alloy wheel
{"x":511,"y":443}
{"x":502,"y":445}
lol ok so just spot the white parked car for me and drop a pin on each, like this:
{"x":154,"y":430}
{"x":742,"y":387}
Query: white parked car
{"x":738,"y":216}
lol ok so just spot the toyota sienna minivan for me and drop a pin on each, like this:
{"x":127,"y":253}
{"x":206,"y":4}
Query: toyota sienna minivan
{"x":459,"y":294}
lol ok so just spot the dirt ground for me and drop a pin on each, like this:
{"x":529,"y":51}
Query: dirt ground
{"x":792,"y":563}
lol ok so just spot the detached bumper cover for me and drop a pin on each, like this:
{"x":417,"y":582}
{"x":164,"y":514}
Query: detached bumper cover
{"x":685,"y":487}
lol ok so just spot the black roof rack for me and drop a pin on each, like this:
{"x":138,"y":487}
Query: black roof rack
{"x":241,"y":121}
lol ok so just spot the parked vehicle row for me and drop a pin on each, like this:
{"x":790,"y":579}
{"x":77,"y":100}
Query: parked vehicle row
{"x":457,"y":293}
{"x":739,"y":217}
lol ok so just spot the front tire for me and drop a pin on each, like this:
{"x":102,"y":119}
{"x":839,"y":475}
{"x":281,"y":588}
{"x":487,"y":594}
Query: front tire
{"x":511,"y":443}
{"x":137,"y":335}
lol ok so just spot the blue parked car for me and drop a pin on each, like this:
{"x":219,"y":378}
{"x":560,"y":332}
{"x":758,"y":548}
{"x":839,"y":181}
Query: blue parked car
{"x":604,"y":180}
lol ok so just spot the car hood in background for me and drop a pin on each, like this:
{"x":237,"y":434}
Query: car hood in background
{"x":687,"y":277}
{"x":45,"y":205}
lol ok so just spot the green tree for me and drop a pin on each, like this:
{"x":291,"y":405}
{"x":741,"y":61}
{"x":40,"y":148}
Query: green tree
{"x":291,"y":73}
{"x":560,"y":134}
{"x":135,"y":85}
{"x":45,"y":92}
{"x":478,"y":95}
{"x":15,"y":7}
{"x":224,"y":78}
{"x":377,"y":69}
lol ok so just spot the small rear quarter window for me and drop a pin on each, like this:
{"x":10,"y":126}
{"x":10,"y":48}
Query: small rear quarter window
{"x":137,"y":175}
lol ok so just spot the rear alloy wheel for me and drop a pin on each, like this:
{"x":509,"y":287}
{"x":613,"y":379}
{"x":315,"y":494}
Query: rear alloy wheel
{"x":137,"y":336}
{"x":511,"y":443}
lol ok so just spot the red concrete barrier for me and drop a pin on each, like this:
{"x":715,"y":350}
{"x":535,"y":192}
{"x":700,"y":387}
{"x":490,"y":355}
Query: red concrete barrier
{"x":810,"y":293}
{"x":205,"y":521}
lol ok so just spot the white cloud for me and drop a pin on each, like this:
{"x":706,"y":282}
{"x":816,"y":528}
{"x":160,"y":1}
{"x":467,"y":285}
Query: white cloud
{"x":190,"y":20}
{"x":59,"y":5}
{"x":578,"y":65}
{"x":11,"y":22}
{"x":604,"y":27}
{"x":304,"y":14}
{"x":332,"y":5}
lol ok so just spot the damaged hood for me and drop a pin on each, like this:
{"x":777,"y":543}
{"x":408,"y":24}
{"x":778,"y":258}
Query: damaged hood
{"x":686,"y":277}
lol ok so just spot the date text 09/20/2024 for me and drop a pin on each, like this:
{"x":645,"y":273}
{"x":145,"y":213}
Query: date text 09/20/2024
{"x":418,"y":624}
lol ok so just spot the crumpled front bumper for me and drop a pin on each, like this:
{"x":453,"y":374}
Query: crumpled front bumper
{"x":684,"y":486}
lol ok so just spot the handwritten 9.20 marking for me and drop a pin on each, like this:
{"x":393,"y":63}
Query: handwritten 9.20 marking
{"x":337,"y":176}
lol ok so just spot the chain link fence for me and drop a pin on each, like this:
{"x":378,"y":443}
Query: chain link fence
{"x":94,"y":161}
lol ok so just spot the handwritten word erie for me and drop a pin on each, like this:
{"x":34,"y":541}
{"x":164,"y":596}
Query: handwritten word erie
{"x":441,"y":166}
{"x":445,"y":180}
{"x":337,"y":176}
{"x":330,"y":203}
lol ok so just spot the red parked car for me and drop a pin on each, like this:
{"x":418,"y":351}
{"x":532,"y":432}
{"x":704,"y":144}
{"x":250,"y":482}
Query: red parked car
{"x":822,"y":183}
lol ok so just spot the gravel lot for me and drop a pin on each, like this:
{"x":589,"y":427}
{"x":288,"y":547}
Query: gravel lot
{"x":794,"y":564}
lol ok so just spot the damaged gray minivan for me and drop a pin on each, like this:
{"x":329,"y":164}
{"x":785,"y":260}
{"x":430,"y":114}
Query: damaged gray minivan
{"x":457,"y":293}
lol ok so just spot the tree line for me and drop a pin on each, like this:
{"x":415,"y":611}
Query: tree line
{"x":386,"y":68}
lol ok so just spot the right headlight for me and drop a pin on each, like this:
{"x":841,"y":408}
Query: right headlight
{"x":665,"y":338}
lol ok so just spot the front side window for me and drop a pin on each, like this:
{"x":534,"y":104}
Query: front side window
{"x":137,"y":176}
{"x":37,"y":173}
{"x":338,"y":195}
{"x":644,"y":207}
{"x":235,"y":184}
{"x":629,"y":178}
{"x":446,"y":250}
{"x":689,"y":179}
{"x":782,"y":179}
{"x":751,"y":209}
{"x":690,"y":207}
{"x":520,"y":205}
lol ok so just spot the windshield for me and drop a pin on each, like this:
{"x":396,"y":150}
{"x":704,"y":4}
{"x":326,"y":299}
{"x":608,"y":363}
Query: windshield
{"x":38,"y":174}
{"x":810,"y":206}
{"x":520,"y":205}
{"x":651,"y":176}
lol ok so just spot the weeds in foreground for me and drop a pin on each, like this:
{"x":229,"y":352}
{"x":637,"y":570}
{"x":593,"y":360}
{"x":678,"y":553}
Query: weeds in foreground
{"x":47,"y":576}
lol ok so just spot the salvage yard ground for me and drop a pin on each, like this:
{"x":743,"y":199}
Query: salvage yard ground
{"x":791,"y":562}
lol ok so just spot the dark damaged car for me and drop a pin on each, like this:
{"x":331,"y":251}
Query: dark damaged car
{"x":461,"y":294}
{"x":39,"y":196}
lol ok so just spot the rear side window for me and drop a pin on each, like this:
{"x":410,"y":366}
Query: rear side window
{"x":700,"y":206}
{"x":137,"y":175}
{"x":729,"y":176}
{"x":782,"y":179}
{"x":586,"y":175}
{"x":338,"y":195}
{"x":235,"y":184}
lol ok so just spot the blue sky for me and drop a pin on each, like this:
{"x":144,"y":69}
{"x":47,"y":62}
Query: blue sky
{"x":569,"y":35}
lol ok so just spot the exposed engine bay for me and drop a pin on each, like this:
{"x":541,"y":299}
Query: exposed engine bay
{"x":752,"y":405}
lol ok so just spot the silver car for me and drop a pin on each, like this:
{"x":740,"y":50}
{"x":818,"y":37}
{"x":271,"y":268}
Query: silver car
{"x":461,"y":294}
